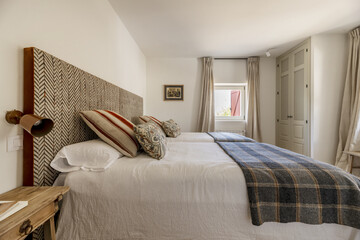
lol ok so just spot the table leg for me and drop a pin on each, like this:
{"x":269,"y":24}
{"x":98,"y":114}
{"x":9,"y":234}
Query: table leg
{"x":49,"y":229}
{"x":52,"y":228}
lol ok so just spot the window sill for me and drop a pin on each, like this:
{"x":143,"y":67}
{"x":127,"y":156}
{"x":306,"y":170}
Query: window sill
{"x":230,"y":120}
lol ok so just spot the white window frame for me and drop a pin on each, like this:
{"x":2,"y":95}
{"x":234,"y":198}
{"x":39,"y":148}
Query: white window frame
{"x":233,"y":86}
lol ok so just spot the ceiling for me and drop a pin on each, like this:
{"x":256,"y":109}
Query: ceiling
{"x":231,"y":28}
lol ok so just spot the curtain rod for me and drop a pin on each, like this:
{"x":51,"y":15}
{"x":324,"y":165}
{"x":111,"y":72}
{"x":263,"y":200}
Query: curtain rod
{"x":355,"y":28}
{"x":230,"y":58}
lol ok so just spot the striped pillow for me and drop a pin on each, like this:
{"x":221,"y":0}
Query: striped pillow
{"x":145,"y":119}
{"x":113,"y":129}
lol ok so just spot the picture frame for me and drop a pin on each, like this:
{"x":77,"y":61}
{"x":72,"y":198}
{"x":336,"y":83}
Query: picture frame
{"x":173,"y":92}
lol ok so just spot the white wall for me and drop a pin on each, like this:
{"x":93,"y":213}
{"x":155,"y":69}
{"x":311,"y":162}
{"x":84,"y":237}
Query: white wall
{"x":230,"y":71}
{"x":187,"y":71}
{"x":328,"y":70}
{"x":85,"y":33}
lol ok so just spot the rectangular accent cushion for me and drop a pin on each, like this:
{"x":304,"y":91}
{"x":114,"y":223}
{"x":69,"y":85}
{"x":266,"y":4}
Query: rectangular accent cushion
{"x":145,"y":119}
{"x":113,"y":129}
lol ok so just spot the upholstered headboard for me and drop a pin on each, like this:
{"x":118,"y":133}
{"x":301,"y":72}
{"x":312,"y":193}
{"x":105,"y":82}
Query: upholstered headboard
{"x":58,"y":90}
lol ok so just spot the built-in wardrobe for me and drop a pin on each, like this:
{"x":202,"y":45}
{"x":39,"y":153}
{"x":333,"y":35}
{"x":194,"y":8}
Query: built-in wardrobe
{"x":293,"y":99}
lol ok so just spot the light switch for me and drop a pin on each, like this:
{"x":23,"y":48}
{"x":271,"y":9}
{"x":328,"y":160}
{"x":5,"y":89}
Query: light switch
{"x":14,"y":143}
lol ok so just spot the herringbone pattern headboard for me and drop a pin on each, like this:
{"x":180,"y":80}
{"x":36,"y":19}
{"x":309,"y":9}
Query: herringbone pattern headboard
{"x":59,"y":90}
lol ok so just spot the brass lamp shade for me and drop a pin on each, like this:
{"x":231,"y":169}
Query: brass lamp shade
{"x":33,"y":124}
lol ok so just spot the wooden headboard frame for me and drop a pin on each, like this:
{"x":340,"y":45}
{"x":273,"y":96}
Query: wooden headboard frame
{"x":58,"y":90}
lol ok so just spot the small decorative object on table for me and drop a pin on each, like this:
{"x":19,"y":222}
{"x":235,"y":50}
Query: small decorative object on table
{"x":173,"y":92}
{"x":8,"y":208}
{"x":41,"y":208}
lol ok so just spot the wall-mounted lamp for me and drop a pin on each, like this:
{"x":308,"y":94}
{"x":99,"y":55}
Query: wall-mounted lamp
{"x":33,"y":124}
{"x":267,"y":53}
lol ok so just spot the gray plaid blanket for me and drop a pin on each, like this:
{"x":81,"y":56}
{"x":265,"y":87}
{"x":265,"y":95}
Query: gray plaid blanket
{"x":284,"y":186}
{"x":229,"y":137}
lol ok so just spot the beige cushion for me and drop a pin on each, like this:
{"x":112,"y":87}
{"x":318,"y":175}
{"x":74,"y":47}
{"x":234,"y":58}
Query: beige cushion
{"x":145,"y":119}
{"x":113,"y":129}
{"x":152,"y":139}
{"x":171,"y":128}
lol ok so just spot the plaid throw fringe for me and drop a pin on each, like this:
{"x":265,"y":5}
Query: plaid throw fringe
{"x":284,"y":186}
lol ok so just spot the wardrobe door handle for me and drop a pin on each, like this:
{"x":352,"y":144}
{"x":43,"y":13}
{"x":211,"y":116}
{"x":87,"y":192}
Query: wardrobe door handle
{"x":289,"y":116}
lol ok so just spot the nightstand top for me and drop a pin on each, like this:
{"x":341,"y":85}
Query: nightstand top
{"x":37,"y":197}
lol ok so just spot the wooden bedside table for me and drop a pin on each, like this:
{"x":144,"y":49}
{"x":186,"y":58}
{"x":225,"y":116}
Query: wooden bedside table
{"x":42,"y":206}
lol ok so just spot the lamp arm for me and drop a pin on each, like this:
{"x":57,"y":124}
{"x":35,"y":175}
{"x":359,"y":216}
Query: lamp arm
{"x":13,"y":117}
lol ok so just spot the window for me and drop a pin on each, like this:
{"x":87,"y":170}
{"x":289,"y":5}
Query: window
{"x":230,"y":101}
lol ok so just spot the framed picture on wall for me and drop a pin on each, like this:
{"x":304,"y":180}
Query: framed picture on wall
{"x":173,"y":92}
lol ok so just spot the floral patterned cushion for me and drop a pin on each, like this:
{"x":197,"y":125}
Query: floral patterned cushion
{"x":171,"y":128}
{"x":152,"y":139}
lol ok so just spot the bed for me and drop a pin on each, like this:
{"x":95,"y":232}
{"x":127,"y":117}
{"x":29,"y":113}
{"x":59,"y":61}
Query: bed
{"x":192,"y":137}
{"x":196,"y":192}
{"x":209,"y":137}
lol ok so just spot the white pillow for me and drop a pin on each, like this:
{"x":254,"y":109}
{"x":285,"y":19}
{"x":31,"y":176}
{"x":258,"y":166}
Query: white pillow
{"x":93,"y":155}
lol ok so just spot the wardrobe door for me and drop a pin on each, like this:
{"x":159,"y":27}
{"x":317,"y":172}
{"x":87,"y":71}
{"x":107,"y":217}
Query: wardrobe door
{"x":298,"y":105}
{"x":293,"y":100}
{"x":284,"y":138}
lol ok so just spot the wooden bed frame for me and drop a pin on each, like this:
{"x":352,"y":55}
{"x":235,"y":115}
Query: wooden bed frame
{"x":58,"y":90}
{"x":28,"y":150}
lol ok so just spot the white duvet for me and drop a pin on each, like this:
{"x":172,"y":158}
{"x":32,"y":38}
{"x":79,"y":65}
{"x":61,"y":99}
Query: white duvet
{"x":195,"y":192}
{"x":191,"y":137}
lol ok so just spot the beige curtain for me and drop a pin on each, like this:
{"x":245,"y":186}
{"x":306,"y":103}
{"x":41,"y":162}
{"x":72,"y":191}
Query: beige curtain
{"x":349,"y":129}
{"x":206,"y":122}
{"x":253,"y":116}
